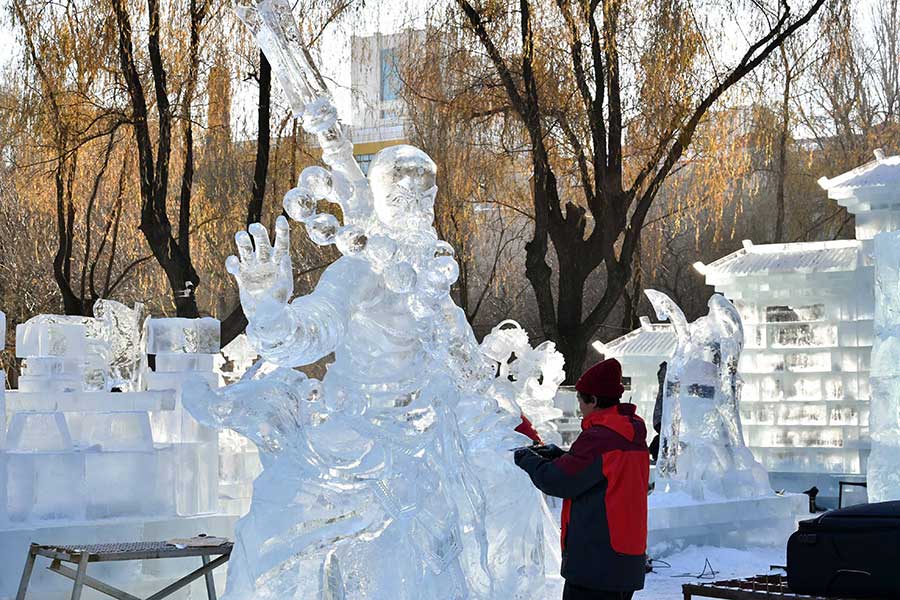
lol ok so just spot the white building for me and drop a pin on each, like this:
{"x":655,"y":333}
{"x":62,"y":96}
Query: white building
{"x":808,"y":310}
{"x":378,"y":119}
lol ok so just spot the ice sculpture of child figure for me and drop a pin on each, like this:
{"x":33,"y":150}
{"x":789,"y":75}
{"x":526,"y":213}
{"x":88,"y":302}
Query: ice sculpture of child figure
{"x":702,"y":448}
{"x":372,"y":478}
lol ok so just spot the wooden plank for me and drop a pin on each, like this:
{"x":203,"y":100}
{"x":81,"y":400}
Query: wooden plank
{"x":79,"y":576}
{"x":210,"y":581}
{"x":187,"y":579}
{"x":92,"y":583}
{"x":26,"y":573}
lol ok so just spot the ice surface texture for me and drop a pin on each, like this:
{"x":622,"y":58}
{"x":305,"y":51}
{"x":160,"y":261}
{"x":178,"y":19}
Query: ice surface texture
{"x":391,"y":477}
{"x":702,"y":447}
{"x":884,"y":417}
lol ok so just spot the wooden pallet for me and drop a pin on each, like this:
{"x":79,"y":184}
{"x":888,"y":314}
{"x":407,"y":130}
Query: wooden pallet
{"x":761,"y":587}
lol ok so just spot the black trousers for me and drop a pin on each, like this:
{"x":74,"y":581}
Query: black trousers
{"x":575,"y":592}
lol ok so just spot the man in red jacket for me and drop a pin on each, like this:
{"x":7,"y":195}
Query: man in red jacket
{"x":603,"y":479}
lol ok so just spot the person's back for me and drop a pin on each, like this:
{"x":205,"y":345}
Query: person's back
{"x":603,"y":479}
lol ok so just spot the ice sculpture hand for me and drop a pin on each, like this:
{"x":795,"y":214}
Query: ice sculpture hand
{"x":263,"y":273}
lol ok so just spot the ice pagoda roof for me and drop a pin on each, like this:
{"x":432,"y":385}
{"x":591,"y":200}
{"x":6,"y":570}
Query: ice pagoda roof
{"x":800,"y":257}
{"x":882,"y":172}
{"x":647,"y":340}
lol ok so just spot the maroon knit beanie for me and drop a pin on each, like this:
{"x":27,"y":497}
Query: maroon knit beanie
{"x":603,"y":380}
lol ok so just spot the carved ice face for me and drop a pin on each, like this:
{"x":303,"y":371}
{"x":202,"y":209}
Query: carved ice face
{"x":402,"y":180}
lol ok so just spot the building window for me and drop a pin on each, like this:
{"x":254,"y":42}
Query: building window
{"x":390,"y":75}
{"x":364,"y":160}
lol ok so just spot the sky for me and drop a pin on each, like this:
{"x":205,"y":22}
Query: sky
{"x":7,"y":43}
{"x":385,"y":16}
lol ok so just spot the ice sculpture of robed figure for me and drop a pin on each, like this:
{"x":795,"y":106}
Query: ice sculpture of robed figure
{"x":390,"y":478}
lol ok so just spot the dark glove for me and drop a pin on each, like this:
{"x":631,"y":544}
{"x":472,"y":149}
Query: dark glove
{"x":521,"y":453}
{"x":549,"y":451}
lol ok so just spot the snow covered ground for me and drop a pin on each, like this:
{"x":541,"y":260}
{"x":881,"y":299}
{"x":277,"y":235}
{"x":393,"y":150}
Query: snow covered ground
{"x":694,"y":564}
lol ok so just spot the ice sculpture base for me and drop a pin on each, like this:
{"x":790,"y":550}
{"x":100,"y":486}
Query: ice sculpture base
{"x":828,"y":485}
{"x":677,"y":521}
{"x":139,"y":578}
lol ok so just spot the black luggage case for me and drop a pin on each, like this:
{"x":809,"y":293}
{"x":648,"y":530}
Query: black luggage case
{"x":852,"y":552}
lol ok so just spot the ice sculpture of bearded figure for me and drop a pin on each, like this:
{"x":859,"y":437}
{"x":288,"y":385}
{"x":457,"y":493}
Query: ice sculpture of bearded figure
{"x":702,"y":448}
{"x":390,"y":478}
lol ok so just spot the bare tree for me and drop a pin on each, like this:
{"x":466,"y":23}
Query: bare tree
{"x":617,"y":192}
{"x":153,"y":165}
{"x":67,"y":130}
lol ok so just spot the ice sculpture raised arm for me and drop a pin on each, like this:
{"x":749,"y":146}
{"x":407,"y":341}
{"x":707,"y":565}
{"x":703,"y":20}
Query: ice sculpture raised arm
{"x":276,"y":32}
{"x":702,"y":448}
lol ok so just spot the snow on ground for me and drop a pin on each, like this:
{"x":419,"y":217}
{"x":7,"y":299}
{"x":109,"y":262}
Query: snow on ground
{"x":686,"y":566}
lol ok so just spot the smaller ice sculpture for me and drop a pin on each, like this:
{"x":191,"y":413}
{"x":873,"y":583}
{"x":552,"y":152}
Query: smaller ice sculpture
{"x":702,"y":448}
{"x":69,"y":353}
{"x":526,"y":377}
{"x":884,"y":418}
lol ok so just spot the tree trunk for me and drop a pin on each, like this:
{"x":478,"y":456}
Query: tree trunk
{"x":235,"y":323}
{"x":263,"y":143}
{"x":782,"y":150}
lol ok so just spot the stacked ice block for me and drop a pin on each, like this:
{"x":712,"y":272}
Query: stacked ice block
{"x":68,"y":437}
{"x":84,"y":464}
{"x":183,"y":349}
{"x":238,"y":457}
{"x":238,"y":466}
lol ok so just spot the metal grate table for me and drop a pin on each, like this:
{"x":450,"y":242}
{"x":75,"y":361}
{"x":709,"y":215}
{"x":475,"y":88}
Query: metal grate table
{"x":761,"y":587}
{"x":83,"y":555}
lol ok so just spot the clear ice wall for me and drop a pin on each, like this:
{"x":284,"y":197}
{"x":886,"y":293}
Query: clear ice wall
{"x":807,"y":310}
{"x":884,"y":420}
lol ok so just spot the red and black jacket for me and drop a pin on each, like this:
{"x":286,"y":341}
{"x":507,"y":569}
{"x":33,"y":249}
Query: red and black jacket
{"x":603,"y":479}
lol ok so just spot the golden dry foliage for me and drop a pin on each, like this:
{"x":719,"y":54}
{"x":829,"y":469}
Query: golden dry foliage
{"x":482,"y":207}
{"x":70,"y":180}
{"x":617,"y":114}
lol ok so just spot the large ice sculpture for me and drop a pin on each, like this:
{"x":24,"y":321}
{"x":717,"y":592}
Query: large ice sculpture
{"x":390,"y":478}
{"x":884,"y":416}
{"x":702,"y":448}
